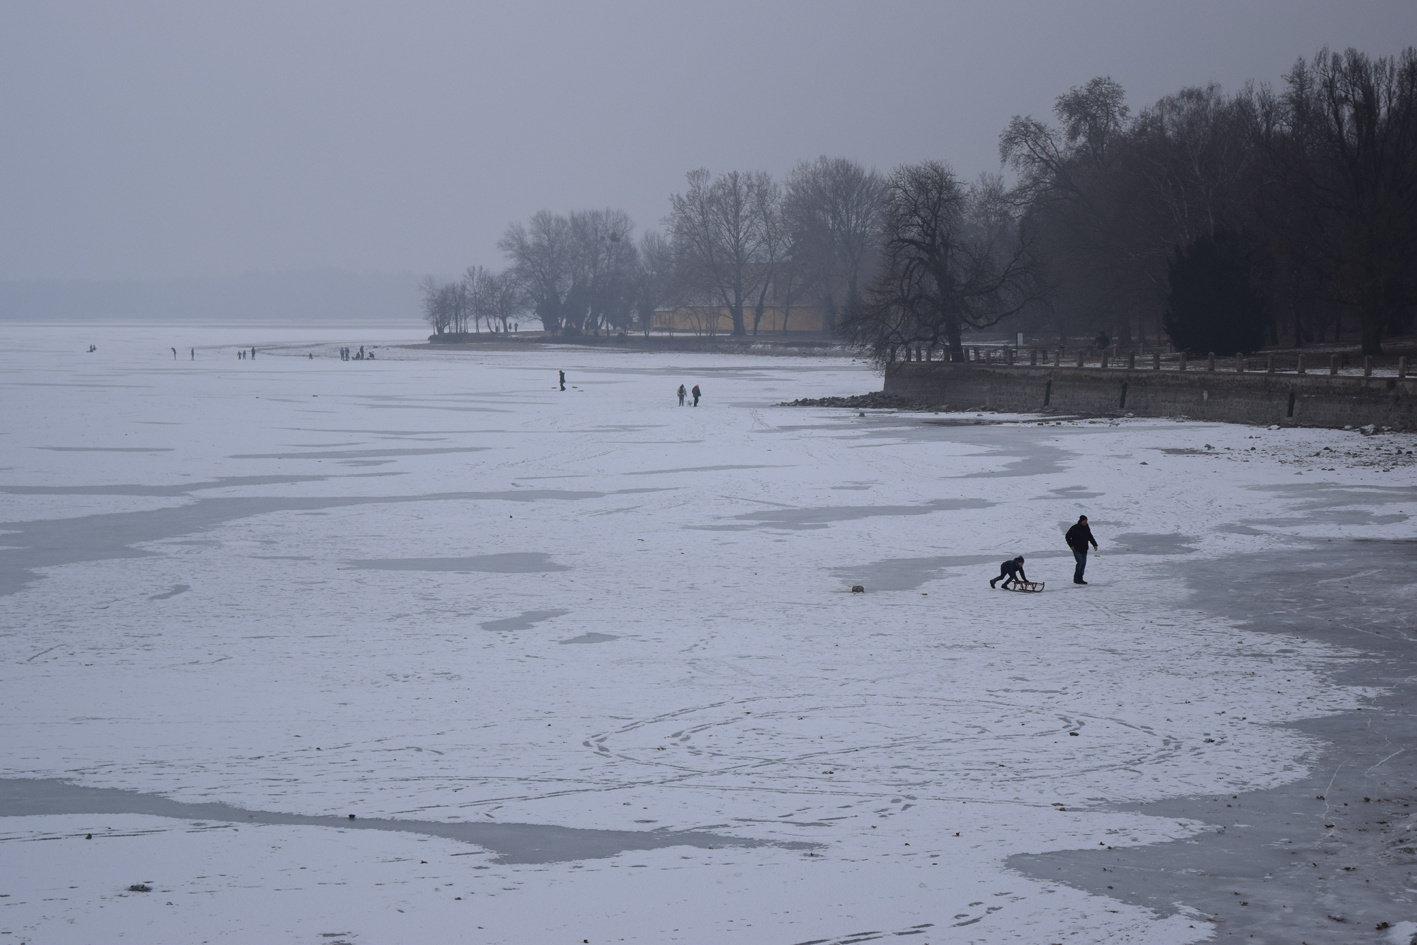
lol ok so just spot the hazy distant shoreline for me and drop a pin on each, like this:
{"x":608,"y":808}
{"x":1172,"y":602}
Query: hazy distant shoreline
{"x":306,"y":297}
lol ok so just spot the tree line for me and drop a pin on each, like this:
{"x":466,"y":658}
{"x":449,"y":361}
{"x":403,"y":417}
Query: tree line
{"x":1212,"y":221}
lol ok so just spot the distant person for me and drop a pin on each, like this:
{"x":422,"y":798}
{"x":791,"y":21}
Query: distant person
{"x":682,"y":394}
{"x":312,"y":355}
{"x":1078,"y":538}
{"x":194,"y":354}
{"x":174,"y":354}
{"x":253,"y":352}
{"x":1010,"y":571}
{"x":361,"y":352}
{"x":563,"y":379}
{"x":696,"y":395}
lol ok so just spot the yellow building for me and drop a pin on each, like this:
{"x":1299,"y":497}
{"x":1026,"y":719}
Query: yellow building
{"x":712,"y":320}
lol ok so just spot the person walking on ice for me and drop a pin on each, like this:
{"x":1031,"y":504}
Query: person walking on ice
{"x":1078,"y":538}
{"x":696,"y":395}
{"x":563,"y":379}
{"x":1010,"y":571}
{"x":682,"y":394}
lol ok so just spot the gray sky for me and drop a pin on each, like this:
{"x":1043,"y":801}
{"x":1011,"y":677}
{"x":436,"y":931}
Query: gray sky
{"x":154,"y":140}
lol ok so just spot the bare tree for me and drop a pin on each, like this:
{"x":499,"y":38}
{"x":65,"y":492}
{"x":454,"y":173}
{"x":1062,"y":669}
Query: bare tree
{"x":433,"y":311}
{"x":602,"y":268}
{"x":654,"y":279}
{"x":494,"y":297}
{"x":1081,"y":208}
{"x":833,"y":211}
{"x":445,"y":305}
{"x":720,"y":239}
{"x":953,"y":259}
{"x":541,"y":258}
{"x":1343,"y":138}
{"x":775,"y":276}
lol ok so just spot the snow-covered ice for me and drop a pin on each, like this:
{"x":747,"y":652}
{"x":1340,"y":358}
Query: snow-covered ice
{"x":433,"y":588}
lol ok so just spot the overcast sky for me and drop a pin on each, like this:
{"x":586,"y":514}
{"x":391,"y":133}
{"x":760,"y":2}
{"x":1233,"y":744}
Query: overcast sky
{"x":155,"y":140}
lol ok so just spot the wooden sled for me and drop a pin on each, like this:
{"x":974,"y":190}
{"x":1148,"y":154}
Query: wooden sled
{"x":1025,"y":587}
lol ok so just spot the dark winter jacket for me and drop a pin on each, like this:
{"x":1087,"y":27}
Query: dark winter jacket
{"x":1079,"y":537}
{"x":1013,"y":569}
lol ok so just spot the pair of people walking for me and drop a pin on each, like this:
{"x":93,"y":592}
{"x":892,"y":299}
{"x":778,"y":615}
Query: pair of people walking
{"x":696,"y":393}
{"x":1078,"y":539}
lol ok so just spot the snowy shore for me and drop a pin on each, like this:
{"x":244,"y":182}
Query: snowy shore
{"x":434,"y":588}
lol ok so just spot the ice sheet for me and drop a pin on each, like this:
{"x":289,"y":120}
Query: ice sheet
{"x":346,"y":534}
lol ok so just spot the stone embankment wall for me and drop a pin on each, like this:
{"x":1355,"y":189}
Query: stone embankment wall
{"x":1310,"y":400}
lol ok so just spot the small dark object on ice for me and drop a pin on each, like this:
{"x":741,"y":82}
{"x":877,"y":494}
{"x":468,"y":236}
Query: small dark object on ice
{"x":140,"y":887}
{"x":857,"y":589}
{"x":351,"y":816}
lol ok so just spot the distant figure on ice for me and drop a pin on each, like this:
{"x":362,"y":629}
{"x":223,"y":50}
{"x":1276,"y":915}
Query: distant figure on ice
{"x":1078,"y":538}
{"x":174,"y":354}
{"x":696,"y":395}
{"x":563,"y":379}
{"x":1010,"y":571}
{"x":682,"y":394}
{"x":253,"y":352}
{"x":194,"y":354}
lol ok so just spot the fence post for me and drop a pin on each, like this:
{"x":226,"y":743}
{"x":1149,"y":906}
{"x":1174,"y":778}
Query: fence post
{"x":1210,"y":362}
{"x":1080,"y":357}
{"x":1269,"y":364}
{"x":1299,"y":368}
{"x":1104,"y":357}
{"x":1367,"y":366}
{"x":1033,"y":357}
{"x":1332,"y":364}
{"x":1402,"y":366}
{"x":1132,"y":361}
{"x":1156,"y":360}
{"x":1058,"y":361}
{"x":1239,"y":362}
{"x":1181,"y":364}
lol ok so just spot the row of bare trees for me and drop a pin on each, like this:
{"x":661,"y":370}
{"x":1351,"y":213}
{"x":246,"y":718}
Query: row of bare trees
{"x":480,"y":298}
{"x":1315,"y":179}
{"x":1314,"y":183}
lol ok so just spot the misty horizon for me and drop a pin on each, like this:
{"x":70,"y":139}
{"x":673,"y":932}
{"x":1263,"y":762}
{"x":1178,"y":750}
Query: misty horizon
{"x":152,"y":143}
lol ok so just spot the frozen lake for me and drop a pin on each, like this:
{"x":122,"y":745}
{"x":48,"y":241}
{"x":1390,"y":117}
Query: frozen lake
{"x":585,"y":665}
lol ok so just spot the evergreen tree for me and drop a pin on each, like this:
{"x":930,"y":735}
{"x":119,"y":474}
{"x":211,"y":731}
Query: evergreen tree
{"x":1211,"y":304}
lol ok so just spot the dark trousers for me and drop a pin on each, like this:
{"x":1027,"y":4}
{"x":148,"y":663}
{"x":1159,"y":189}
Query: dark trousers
{"x":1006,"y":576}
{"x":1081,"y":558}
